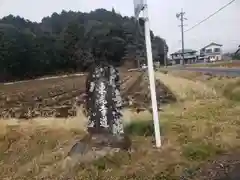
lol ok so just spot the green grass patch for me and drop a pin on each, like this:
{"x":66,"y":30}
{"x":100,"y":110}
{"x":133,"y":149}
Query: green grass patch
{"x":140,"y":128}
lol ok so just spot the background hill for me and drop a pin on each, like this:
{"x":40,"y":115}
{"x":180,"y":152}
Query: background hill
{"x":70,"y":42}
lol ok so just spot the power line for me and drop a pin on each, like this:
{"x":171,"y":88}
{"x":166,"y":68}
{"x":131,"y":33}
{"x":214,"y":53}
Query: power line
{"x":210,"y":15}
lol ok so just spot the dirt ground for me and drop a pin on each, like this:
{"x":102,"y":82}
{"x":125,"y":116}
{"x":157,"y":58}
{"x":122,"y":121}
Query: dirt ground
{"x":61,"y":97}
{"x":51,"y":97}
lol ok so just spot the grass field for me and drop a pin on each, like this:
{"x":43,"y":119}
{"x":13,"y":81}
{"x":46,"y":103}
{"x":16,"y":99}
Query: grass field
{"x":200,"y":134}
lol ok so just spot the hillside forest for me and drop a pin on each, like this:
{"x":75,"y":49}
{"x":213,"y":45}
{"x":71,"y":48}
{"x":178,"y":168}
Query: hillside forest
{"x":71,"y":42}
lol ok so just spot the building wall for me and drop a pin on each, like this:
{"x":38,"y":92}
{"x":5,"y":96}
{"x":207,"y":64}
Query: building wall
{"x":213,"y":56}
{"x":212,"y":48}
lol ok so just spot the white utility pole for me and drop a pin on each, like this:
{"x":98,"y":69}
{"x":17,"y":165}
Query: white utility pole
{"x":142,"y":5}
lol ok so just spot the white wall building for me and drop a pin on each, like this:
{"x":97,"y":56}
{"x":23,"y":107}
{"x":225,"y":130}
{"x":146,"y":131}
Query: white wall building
{"x":212,"y":52}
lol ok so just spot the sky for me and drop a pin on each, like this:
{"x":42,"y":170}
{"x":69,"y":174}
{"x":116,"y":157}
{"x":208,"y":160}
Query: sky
{"x":223,"y":28}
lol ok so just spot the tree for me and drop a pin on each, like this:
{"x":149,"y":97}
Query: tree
{"x":70,"y":42}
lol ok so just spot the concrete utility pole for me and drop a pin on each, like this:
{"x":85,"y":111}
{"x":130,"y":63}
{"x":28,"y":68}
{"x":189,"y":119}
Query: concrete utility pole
{"x":165,"y":55}
{"x":151,"y":76}
{"x":141,"y":5}
{"x":180,"y":16}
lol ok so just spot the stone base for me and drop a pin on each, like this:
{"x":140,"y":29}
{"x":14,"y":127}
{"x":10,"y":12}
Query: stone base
{"x":97,"y":142}
{"x":94,"y":146}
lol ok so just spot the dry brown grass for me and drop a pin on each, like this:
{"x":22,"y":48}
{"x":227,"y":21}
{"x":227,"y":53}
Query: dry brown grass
{"x":223,"y":86}
{"x":201,"y":125}
{"x":185,"y":89}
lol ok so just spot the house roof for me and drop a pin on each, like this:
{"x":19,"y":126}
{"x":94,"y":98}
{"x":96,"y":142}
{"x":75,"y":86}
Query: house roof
{"x":212,"y":44}
{"x":185,"y":51}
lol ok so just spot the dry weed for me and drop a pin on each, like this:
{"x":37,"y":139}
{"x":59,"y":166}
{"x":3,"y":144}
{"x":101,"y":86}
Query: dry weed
{"x":186,"y":89}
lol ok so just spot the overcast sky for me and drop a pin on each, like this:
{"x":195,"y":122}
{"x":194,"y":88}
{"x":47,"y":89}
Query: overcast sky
{"x":224,"y":28}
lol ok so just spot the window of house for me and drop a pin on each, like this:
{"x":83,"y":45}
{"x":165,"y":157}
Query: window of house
{"x":217,"y":49}
{"x":208,"y":50}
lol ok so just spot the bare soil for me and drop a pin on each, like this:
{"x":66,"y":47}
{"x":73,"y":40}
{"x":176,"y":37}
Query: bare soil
{"x":62,"y":97}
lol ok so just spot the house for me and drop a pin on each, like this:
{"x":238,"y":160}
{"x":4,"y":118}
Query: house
{"x":212,"y":52}
{"x":190,"y":56}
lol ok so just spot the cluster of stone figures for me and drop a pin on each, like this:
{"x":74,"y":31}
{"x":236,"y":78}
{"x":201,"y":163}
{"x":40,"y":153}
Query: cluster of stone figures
{"x":103,"y":105}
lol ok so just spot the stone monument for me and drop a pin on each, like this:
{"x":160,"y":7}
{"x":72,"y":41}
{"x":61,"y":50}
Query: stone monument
{"x":103,"y":105}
